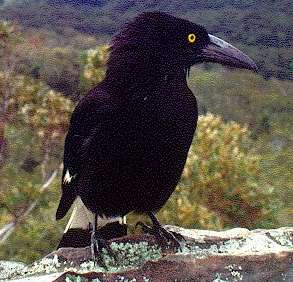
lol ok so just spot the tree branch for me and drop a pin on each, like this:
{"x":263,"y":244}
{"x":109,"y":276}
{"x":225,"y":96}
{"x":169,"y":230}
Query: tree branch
{"x":8,"y":229}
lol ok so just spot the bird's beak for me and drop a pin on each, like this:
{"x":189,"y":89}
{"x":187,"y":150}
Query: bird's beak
{"x":220,"y":51}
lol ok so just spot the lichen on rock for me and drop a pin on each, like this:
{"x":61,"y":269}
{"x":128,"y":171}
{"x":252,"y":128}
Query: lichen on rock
{"x":233,"y":255}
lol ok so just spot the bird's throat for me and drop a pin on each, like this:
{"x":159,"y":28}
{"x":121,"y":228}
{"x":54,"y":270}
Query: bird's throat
{"x":141,"y":71}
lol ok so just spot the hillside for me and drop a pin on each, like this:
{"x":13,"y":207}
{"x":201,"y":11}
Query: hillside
{"x":262,"y":28}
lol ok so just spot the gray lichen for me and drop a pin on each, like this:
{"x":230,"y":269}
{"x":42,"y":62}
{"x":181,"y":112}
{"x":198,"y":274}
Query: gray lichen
{"x":235,"y":271}
{"x":46,"y":265}
{"x":133,"y":255}
{"x":73,"y":278}
{"x":219,"y":278}
{"x":8,"y":268}
{"x":127,"y":256}
{"x":284,"y":239}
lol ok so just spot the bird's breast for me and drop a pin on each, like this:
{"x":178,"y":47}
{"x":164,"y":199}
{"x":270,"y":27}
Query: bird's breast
{"x":161,"y":132}
{"x":144,"y":154}
{"x":158,"y":144}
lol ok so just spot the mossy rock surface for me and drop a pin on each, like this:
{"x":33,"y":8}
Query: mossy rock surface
{"x":233,"y":255}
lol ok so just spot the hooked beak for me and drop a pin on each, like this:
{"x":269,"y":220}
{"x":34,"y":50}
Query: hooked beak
{"x":220,"y":51}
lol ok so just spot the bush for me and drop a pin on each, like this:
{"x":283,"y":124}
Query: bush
{"x":221,"y":185}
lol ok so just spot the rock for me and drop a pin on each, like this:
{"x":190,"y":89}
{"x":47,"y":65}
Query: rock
{"x":233,"y":255}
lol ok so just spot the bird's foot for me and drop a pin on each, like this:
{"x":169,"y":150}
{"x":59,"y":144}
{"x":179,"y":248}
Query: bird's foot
{"x":98,"y":248}
{"x":165,"y":237}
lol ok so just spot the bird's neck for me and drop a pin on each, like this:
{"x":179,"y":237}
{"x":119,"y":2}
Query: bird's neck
{"x":141,"y":80}
{"x":140,"y":73}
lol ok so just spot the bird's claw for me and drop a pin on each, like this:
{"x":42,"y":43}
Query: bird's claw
{"x":145,"y":228}
{"x":167,"y":238}
{"x":98,"y":246}
{"x":178,"y":236}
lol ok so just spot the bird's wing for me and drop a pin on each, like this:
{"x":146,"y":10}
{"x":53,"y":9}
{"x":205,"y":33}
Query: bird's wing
{"x":88,"y":116}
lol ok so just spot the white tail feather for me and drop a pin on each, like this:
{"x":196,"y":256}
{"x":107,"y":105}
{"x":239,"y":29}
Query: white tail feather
{"x":81,"y":217}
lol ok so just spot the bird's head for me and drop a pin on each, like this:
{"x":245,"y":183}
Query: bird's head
{"x":158,"y":40}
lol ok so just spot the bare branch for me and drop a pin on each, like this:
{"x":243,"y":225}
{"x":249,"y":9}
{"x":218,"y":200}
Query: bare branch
{"x":8,"y":229}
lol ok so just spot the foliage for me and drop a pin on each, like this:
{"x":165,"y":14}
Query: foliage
{"x":38,"y":126}
{"x":94,"y":61}
{"x":261,"y":27}
{"x":220,"y":185}
{"x":40,"y":233}
{"x":34,"y":120}
{"x":38,"y":120}
{"x":266,"y":106}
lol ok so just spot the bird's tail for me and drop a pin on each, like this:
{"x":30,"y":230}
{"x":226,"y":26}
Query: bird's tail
{"x":77,"y":233}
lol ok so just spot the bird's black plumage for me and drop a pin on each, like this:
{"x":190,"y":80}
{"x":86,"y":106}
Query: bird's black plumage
{"x":129,"y":137}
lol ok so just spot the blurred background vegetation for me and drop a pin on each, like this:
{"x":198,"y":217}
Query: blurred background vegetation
{"x":239,"y":168}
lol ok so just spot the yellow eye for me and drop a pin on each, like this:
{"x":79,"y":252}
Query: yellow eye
{"x":191,"y":38}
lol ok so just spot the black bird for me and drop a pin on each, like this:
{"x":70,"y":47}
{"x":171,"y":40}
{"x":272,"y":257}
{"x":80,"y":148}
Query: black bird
{"x":129,"y":137}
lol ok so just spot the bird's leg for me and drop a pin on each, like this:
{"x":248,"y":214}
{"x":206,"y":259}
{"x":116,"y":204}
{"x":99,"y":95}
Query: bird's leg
{"x":171,"y":235}
{"x":97,"y":244}
{"x":161,"y":233}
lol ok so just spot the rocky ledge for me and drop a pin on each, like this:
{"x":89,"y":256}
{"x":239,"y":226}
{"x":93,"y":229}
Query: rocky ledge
{"x":233,"y":255}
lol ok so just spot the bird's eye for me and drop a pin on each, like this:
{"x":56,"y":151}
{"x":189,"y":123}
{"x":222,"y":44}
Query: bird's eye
{"x":191,"y":38}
